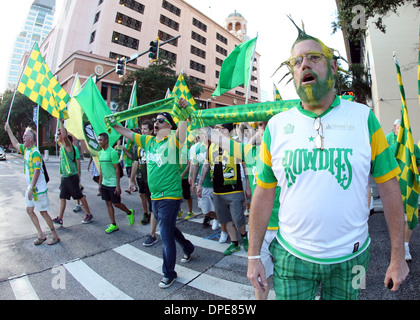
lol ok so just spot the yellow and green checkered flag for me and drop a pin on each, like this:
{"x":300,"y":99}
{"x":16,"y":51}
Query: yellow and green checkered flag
{"x":39,"y":85}
{"x":276,"y":93}
{"x":404,"y":154}
{"x":181,"y":90}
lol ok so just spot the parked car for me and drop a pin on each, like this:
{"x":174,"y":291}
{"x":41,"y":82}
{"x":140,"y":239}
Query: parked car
{"x":2,"y":154}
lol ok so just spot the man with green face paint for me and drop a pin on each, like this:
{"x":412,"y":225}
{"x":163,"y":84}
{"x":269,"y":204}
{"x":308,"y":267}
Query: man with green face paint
{"x":321,"y":154}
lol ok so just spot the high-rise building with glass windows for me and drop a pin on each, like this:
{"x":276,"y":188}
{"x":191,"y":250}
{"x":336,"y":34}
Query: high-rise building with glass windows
{"x":36,"y":28}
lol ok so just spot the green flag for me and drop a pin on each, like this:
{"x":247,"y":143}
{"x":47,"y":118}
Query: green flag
{"x":95,"y":109}
{"x":404,"y":154}
{"x":236,"y":67}
{"x":133,"y":123}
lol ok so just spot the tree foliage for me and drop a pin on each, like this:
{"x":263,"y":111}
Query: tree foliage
{"x":21,"y":115}
{"x":353,"y":15}
{"x":356,"y":80}
{"x":153,"y":82}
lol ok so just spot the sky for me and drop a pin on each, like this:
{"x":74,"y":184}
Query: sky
{"x":275,"y":32}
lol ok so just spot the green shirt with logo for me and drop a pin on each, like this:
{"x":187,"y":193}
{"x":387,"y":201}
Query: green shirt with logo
{"x":163,"y":163}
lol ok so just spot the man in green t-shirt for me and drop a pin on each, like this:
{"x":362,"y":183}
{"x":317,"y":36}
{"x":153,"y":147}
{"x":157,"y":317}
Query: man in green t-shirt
{"x":70,"y":176}
{"x":36,"y":195}
{"x":109,"y":182}
{"x":164,"y":180}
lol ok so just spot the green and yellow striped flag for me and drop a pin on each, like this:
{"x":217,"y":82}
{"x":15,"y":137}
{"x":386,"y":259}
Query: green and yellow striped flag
{"x":181,"y":90}
{"x":39,"y":85}
{"x":276,"y":93}
{"x":404,"y":154}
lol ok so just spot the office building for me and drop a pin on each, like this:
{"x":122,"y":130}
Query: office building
{"x":36,"y":28}
{"x":91,"y":35}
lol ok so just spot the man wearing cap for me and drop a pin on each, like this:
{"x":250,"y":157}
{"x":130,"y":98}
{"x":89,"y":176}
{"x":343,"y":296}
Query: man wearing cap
{"x":321,"y":154}
{"x":163,"y":153}
{"x":228,"y":189}
{"x":391,"y":137}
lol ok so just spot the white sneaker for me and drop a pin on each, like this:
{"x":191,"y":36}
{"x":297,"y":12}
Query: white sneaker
{"x":246,"y":212}
{"x":407,"y":254}
{"x":223,"y":237}
{"x":215,"y":224}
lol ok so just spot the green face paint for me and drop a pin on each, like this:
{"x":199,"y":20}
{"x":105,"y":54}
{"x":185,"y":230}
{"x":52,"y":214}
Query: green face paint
{"x":313,"y":93}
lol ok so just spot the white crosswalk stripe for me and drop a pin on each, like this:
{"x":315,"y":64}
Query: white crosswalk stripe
{"x":22,"y":288}
{"x":100,"y":288}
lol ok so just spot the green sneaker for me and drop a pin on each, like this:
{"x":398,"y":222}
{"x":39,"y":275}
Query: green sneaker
{"x":130,"y":217}
{"x":245,"y":242}
{"x":189,"y":216}
{"x":111,"y":228}
{"x":232,"y":248}
{"x":180,"y":213}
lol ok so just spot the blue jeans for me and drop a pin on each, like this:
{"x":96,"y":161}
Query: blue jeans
{"x":166,"y":212}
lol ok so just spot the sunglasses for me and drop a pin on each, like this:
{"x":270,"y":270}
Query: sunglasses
{"x":319,"y":139}
{"x":161,"y":120}
{"x":311,"y":57}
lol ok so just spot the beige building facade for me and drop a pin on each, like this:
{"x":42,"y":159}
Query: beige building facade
{"x":92,"y":34}
{"x":376,"y":52}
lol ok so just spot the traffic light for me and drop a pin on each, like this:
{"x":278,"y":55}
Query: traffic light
{"x":154,"y":50}
{"x":120,"y":67}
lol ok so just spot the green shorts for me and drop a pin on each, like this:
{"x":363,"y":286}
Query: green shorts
{"x":297,"y":279}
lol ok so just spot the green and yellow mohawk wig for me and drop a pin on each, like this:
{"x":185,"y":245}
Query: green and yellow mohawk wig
{"x":302,"y":36}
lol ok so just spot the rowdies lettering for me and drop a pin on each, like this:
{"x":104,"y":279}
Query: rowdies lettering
{"x":334,"y":160}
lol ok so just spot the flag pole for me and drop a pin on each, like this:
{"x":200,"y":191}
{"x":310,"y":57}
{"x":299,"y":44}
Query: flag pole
{"x":37,"y":126}
{"x":250,"y":71}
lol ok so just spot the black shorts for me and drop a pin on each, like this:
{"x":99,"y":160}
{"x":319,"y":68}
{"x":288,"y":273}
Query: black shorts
{"x":70,"y":187}
{"x":186,"y":190}
{"x":108,"y":194}
{"x":143,"y":187}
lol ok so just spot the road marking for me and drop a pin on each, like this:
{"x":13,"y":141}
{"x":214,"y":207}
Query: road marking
{"x":220,"y":287}
{"x":22,"y":289}
{"x":100,"y":288}
{"x":212,"y":245}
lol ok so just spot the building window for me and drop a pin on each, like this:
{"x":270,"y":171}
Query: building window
{"x":125,"y":40}
{"x":128,"y":21}
{"x":199,"y":24}
{"x":116,"y":56}
{"x":198,"y":52}
{"x":169,"y":22}
{"x":167,"y":54}
{"x":97,"y":17}
{"x":92,"y":36}
{"x":104,"y":91}
{"x":217,"y":74}
{"x":254,"y":89}
{"x":219,"y":62}
{"x":221,"y":38}
{"x":221,"y":50}
{"x":197,"y":66}
{"x":100,"y":2}
{"x":134,"y":5}
{"x":163,"y":36}
{"x":202,"y":81}
{"x":198,"y":38}
{"x":171,"y":8}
